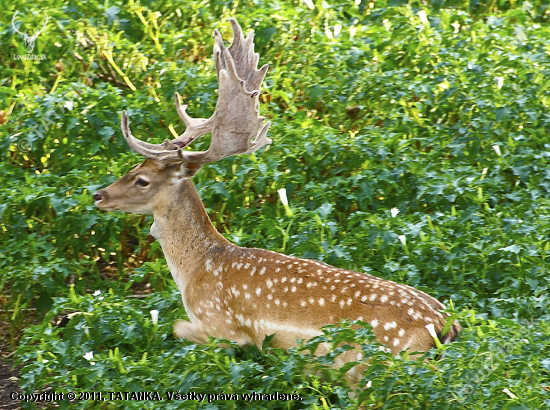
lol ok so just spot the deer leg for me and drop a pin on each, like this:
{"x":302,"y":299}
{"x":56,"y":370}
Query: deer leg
{"x":193,"y":332}
{"x":198,"y":333}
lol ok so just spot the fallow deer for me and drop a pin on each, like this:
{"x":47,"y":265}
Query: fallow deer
{"x":243,"y":294}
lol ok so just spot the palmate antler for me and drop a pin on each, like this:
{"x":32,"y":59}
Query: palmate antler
{"x":236,"y":126}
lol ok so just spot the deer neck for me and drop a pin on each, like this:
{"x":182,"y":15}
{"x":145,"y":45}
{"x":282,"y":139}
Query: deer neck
{"x":185,"y":232}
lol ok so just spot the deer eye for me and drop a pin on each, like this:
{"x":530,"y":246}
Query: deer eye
{"x":141,"y":182}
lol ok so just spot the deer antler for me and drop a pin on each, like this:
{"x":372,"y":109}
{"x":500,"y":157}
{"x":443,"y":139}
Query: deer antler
{"x":35,"y":35}
{"x":13,"y":21}
{"x":236,"y":126}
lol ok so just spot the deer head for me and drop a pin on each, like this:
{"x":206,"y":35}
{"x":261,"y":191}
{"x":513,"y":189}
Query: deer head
{"x":28,"y":40}
{"x":236,"y":128}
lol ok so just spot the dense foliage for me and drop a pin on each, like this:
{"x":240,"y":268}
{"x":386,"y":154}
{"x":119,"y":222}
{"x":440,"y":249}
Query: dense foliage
{"x":439,"y":109}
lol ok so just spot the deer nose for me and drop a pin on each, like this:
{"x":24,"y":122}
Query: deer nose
{"x":97,"y":196}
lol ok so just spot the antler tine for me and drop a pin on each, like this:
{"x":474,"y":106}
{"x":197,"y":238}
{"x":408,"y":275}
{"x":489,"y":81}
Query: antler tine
{"x":196,"y":127}
{"x":235,"y":124}
{"x":43,"y":26}
{"x":152,"y":151}
{"x":261,"y":139}
{"x":13,"y":21}
{"x":246,"y":60}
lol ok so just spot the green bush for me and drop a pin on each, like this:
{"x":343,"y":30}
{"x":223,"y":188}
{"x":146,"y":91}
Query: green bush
{"x":437,"y":109}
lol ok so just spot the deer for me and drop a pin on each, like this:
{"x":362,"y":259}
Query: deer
{"x":246,"y":294}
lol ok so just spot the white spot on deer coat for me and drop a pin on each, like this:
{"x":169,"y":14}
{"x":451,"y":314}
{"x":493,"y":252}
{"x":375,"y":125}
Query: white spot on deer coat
{"x":408,"y":343}
{"x":390,"y":325}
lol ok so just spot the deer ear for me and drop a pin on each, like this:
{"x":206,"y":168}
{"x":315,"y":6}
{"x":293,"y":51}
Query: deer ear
{"x":182,"y":169}
{"x":188,"y":169}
